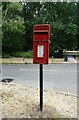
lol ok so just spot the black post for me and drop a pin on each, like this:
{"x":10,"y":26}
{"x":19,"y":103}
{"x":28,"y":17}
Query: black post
{"x":41,"y":87}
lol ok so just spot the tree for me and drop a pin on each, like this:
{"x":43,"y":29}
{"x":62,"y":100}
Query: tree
{"x":0,"y":29}
{"x":29,"y":14}
{"x":13,"y":35}
{"x":62,"y":19}
{"x":78,"y":26}
{"x":20,"y":17}
{"x":12,"y":27}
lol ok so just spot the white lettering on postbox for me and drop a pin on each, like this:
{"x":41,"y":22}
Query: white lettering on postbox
{"x":40,"y":52}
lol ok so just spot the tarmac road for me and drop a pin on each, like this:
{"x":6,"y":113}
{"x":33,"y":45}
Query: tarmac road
{"x":60,"y":77}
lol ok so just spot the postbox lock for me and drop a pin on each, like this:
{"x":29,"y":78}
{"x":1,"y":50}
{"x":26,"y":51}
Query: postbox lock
{"x":40,"y":42}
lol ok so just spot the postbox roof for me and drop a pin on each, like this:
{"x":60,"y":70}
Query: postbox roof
{"x":41,"y":27}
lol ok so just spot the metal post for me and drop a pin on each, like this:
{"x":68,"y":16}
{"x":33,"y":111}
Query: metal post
{"x":41,"y":87}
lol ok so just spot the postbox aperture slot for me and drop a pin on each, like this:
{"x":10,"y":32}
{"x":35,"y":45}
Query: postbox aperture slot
{"x":41,"y":36}
{"x":46,"y":33}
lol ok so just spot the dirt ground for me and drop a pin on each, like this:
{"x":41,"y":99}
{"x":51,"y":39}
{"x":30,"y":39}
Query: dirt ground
{"x":18,"y":101}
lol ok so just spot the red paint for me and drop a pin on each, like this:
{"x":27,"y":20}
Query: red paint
{"x":41,"y":36}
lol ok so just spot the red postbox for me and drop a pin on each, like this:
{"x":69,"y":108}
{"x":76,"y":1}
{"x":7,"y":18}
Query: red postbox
{"x":41,"y":40}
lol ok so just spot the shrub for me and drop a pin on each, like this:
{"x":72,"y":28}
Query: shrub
{"x":27,"y":54}
{"x":6,"y":55}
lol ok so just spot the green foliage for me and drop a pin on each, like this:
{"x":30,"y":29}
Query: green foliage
{"x":27,"y":54}
{"x":13,"y":31}
{"x":6,"y":55}
{"x":12,"y":27}
{"x":18,"y":21}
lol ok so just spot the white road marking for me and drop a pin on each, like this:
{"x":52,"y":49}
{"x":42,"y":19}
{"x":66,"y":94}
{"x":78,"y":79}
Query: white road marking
{"x":33,"y":70}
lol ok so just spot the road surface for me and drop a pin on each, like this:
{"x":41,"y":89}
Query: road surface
{"x":60,"y":77}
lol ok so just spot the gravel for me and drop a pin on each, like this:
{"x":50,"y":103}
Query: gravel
{"x":20,"y":101}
